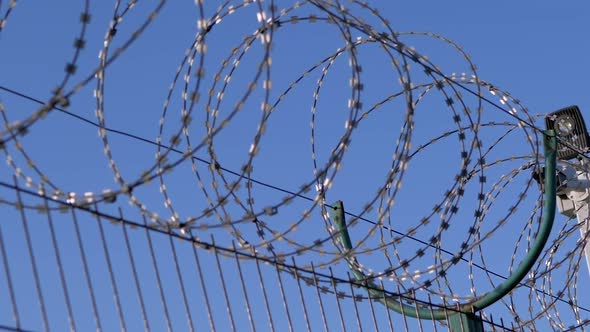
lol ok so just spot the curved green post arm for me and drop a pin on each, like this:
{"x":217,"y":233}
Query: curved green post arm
{"x":417,"y":311}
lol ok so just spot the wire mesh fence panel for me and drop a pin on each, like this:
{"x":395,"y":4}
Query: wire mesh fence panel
{"x":107,"y":272}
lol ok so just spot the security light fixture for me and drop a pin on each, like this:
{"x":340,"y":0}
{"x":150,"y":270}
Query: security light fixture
{"x":570,"y":128}
{"x":573,"y":178}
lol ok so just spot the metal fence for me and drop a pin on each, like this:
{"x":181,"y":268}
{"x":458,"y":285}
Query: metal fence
{"x":228,"y":224}
{"x":70,"y":267}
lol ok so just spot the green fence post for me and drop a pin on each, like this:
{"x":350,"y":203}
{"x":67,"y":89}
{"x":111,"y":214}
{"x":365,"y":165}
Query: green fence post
{"x":463,"y":322}
{"x":465,"y":318}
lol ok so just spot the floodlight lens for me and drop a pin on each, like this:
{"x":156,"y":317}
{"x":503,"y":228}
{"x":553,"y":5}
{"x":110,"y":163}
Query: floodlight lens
{"x":564,"y":125}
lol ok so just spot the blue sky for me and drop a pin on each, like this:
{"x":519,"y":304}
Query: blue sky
{"x":533,"y":51}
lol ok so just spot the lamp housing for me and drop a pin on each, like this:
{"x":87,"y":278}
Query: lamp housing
{"x":569,"y":127}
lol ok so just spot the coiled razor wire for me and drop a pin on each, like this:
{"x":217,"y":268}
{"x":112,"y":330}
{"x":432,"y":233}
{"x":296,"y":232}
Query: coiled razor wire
{"x":453,"y":154}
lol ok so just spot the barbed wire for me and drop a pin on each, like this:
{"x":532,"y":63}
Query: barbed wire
{"x":226,"y":73}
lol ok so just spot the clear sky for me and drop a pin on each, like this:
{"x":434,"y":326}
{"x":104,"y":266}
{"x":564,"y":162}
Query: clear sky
{"x":312,"y":120}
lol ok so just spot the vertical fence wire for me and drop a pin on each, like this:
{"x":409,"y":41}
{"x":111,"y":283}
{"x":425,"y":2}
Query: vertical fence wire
{"x":60,"y":267}
{"x":285,"y":303}
{"x":417,"y":312}
{"x":354,"y":303}
{"x":138,"y":289}
{"x":388,"y":312}
{"x":264,"y":296}
{"x":402,"y":309}
{"x":446,"y":312}
{"x":88,"y":281}
{"x":32,"y":260}
{"x":301,"y":297}
{"x":319,"y":297}
{"x":230,"y":315}
{"x":9,"y":284}
{"x":157,"y":275}
{"x":336,"y":294}
{"x":371,"y":306}
{"x":181,"y":283}
{"x":244,"y":291}
{"x":107,"y":256}
{"x":434,"y":323}
{"x":203,"y":286}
